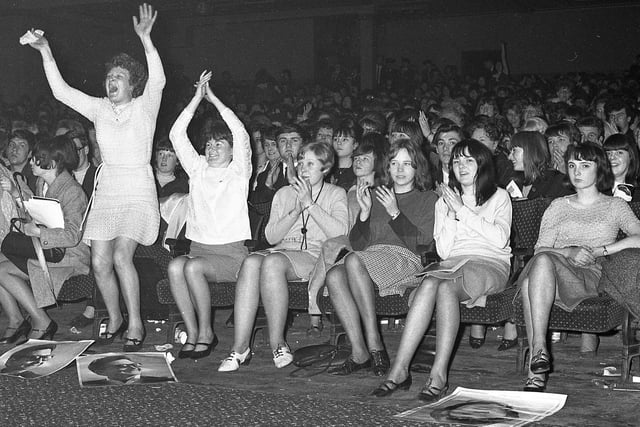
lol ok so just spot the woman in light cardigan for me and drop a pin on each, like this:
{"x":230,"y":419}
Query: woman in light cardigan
{"x":217,"y":216}
{"x":304,"y":215}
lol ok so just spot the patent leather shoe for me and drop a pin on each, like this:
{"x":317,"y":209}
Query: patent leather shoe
{"x":20,"y":331}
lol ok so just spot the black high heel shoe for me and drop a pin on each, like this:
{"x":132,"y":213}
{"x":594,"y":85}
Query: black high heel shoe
{"x":389,"y":387}
{"x":21,"y":331}
{"x":136,"y":344}
{"x":45,"y":334}
{"x":207,"y":351}
{"x":110,"y":336}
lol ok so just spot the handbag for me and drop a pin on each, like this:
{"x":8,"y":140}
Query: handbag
{"x":18,"y":244}
{"x":320,"y":357}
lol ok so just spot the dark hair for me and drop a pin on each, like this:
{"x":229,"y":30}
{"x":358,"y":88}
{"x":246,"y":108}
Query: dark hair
{"x":350,"y":128}
{"x":26,"y":135}
{"x":60,"y":149}
{"x":71,"y":125}
{"x":486,"y":175}
{"x":564,"y":129}
{"x":22,"y":359}
{"x":535,"y":154}
{"x":374,"y":120}
{"x":375,"y":144}
{"x":592,"y":122}
{"x":620,"y":141}
{"x":445,"y":128}
{"x":137,"y":71}
{"x":411,"y":129}
{"x":489,"y":124}
{"x":217,"y":131}
{"x":324,"y":153}
{"x":291,"y":128}
{"x":591,"y":152}
{"x":422,"y":180}
{"x":269,"y":132}
{"x":617,"y":104}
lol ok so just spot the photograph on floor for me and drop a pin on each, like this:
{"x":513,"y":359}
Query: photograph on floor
{"x":39,"y":358}
{"x":113,"y":369}
{"x":467,"y":406}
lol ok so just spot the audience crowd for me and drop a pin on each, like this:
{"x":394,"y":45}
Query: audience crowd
{"x":354,"y":182}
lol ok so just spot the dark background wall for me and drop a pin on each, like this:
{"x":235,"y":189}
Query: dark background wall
{"x":597,"y":39}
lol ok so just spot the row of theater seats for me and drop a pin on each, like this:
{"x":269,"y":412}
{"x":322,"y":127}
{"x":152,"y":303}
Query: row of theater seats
{"x":595,"y":315}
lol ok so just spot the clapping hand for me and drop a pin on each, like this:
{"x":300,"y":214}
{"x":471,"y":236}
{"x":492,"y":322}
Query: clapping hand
{"x":424,"y":125}
{"x":203,"y":83}
{"x":148,"y":16}
{"x":7,"y":184}
{"x":387,"y":198}
{"x":363,"y":197}
{"x":451,"y":198}
{"x":303,"y":192}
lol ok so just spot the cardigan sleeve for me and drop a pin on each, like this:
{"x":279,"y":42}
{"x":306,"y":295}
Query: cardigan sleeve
{"x":155,"y":83}
{"x":73,"y":202}
{"x":188,"y":156}
{"x":498,"y":231}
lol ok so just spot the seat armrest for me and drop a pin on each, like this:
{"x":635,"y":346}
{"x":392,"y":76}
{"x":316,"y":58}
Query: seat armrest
{"x":428,"y":254}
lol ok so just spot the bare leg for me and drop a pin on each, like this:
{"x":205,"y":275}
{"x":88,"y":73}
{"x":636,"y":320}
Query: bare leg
{"x":246,"y":302}
{"x":345,"y":306}
{"x":123,"y":251}
{"x":14,"y":282}
{"x":416,"y":325}
{"x":198,"y":272}
{"x":10,"y":305}
{"x":447,"y":324}
{"x":180,"y":292}
{"x":362,"y":288}
{"x":102,"y":263}
{"x":538,"y":294}
{"x":276,"y":269}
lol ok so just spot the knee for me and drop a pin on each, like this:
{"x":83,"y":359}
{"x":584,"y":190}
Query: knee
{"x":542,"y":261}
{"x":352,"y":262}
{"x":122,"y":259}
{"x":193,"y":268}
{"x":272,"y":265}
{"x":175,"y":269}
{"x":101,"y":264}
{"x":335,"y":278}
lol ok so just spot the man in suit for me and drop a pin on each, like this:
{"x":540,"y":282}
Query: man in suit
{"x":120,"y":369}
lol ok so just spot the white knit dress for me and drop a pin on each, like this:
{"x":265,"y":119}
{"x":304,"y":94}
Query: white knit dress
{"x":125,"y":202}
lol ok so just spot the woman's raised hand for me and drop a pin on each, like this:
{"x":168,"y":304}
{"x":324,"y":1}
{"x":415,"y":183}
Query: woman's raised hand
{"x":303,"y":191}
{"x":387,"y":198}
{"x":148,"y":16}
{"x":40,"y":43}
{"x":451,"y":198}
{"x":202,"y":85}
{"x":424,"y":125}
{"x":363,"y":197}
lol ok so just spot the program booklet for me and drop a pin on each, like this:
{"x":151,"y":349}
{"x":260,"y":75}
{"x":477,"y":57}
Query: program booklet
{"x":45,"y":211}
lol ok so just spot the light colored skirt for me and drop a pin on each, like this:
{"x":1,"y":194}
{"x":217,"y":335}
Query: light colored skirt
{"x":226,"y":259}
{"x":574,"y":284}
{"x":302,"y":262}
{"x":478,"y":276}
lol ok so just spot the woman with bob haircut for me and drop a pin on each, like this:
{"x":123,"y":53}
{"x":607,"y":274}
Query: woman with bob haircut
{"x":575,"y":233}
{"x":303,"y":215}
{"x":393,"y":221}
{"x":625,"y":165}
{"x":346,"y":137}
{"x":217,"y":216}
{"x":22,"y":280}
{"x":530,"y":158}
{"x":472,"y":229}
{"x":124,"y":211}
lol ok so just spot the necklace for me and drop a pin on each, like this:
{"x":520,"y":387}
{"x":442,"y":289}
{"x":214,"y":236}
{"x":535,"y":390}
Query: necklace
{"x":303,"y":230}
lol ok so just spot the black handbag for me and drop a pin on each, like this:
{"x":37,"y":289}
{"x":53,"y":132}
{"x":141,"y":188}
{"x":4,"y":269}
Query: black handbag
{"x":16,"y":244}
{"x":319,"y":357}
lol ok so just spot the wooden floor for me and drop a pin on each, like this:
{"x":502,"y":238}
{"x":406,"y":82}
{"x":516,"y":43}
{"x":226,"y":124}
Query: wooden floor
{"x":588,"y":404}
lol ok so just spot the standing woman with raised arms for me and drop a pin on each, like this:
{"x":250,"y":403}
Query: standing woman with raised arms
{"x":124,"y":212}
